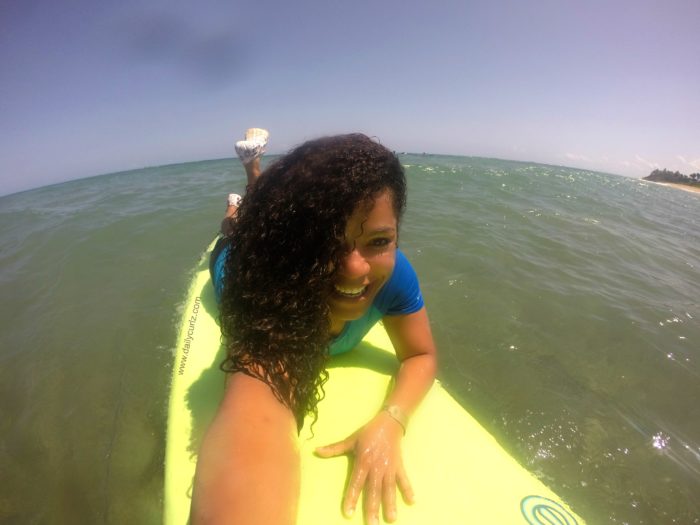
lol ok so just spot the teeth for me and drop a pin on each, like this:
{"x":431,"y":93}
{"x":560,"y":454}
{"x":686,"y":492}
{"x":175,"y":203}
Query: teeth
{"x":350,"y":291}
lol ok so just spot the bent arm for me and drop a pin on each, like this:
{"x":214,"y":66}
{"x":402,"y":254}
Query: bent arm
{"x":413,"y":341}
{"x":248,"y":467}
{"x":378,"y":468}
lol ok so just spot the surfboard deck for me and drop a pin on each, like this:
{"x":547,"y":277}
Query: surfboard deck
{"x":458,"y":471}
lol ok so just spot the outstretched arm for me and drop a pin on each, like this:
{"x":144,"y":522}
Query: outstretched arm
{"x":378,"y":467}
{"x":248,"y":467}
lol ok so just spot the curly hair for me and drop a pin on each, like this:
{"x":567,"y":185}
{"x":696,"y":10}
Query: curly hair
{"x":287,"y":240}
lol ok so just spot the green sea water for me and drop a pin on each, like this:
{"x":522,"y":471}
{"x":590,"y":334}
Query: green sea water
{"x":565,"y":305}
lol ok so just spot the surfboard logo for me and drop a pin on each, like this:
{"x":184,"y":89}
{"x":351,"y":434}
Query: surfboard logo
{"x":542,"y":511}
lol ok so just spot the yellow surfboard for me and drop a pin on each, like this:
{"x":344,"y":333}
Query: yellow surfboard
{"x":460,"y":474}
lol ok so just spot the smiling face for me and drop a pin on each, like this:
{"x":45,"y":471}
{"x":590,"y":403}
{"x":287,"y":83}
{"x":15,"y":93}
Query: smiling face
{"x":370,"y":239}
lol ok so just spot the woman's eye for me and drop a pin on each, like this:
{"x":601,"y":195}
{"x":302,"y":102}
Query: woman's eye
{"x":381,"y":241}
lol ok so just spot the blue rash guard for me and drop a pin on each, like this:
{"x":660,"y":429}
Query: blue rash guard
{"x":400,"y":295}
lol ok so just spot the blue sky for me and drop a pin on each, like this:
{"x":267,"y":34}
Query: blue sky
{"x":94,"y":87}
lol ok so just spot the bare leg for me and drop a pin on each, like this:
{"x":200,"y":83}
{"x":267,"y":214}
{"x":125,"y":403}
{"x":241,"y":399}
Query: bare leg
{"x":252,"y":170}
{"x":249,"y":151}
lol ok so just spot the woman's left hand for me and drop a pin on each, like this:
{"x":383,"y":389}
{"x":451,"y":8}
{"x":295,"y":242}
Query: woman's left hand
{"x":377,"y":470}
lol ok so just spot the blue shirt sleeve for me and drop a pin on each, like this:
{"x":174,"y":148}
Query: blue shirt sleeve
{"x":217,"y":272}
{"x":401,"y":295}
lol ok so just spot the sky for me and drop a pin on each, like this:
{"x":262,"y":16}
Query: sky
{"x":95,"y":87}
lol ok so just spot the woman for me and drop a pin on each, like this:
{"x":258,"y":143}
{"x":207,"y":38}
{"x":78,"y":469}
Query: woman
{"x":308,"y":263}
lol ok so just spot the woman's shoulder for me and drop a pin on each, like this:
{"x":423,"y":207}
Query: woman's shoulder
{"x":403,"y":271}
{"x":401,"y":294}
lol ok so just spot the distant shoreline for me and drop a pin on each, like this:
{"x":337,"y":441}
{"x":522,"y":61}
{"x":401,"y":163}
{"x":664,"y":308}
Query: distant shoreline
{"x":684,"y":187}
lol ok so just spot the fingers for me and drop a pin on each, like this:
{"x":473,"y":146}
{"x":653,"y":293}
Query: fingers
{"x":376,"y":473}
{"x":373,"y":487}
{"x":357,"y":481}
{"x":404,"y":485}
{"x":389,"y":498}
{"x":379,"y":487}
{"x":336,"y":449}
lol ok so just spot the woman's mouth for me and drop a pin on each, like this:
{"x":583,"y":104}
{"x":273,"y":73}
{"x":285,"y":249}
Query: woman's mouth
{"x":350,"y":292}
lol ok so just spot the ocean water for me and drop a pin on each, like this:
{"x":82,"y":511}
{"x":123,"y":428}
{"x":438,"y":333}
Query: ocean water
{"x":565,"y":305}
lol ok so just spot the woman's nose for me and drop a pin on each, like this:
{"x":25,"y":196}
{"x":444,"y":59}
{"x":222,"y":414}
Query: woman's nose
{"x":355,"y":265}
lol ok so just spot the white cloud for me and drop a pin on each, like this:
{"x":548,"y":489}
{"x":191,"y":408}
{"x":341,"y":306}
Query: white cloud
{"x":575,"y":156}
{"x":693,"y":164}
{"x":647,"y":163}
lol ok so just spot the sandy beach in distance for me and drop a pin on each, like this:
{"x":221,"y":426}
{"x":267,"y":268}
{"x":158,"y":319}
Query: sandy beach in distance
{"x":685,"y":187}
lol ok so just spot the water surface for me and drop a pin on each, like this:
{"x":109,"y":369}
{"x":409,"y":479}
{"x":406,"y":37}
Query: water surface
{"x":564,"y":304}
